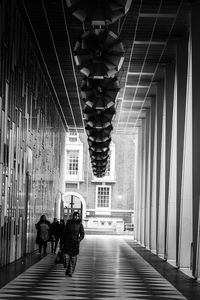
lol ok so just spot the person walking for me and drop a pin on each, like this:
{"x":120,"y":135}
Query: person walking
{"x":54,"y":232}
{"x":73,"y":235}
{"x":43,"y":227}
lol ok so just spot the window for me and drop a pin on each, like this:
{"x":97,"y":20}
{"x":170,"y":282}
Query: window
{"x":103,"y":197}
{"x":73,"y":137}
{"x":72,"y":162}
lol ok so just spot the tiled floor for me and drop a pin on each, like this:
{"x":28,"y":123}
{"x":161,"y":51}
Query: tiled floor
{"x":108,"y":267}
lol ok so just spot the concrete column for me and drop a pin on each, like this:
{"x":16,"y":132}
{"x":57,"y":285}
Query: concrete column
{"x":152,"y":164}
{"x":156,"y":166}
{"x":171,"y":168}
{"x":181,"y":65}
{"x":139,"y":185}
{"x":136,"y":190}
{"x":160,"y":146}
{"x":195,"y":132}
{"x":148,"y":181}
{"x":185,"y":231}
{"x":143,"y":180}
{"x":162,"y":186}
{"x":153,"y":207}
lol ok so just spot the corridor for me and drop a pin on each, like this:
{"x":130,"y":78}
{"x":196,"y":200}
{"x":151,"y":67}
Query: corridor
{"x":108,"y":268}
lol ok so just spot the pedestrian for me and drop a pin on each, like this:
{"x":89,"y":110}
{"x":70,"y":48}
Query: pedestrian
{"x":43,"y":227}
{"x":73,"y":235}
{"x":61,"y":231}
{"x":54,"y":232}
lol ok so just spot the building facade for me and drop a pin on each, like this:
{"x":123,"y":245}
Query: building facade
{"x":106,"y":203}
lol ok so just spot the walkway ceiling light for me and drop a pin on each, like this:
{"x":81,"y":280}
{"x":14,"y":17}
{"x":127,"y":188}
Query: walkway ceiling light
{"x":99,"y":53}
{"x":99,"y":12}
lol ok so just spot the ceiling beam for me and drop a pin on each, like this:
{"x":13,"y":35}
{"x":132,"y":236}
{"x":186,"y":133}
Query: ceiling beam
{"x":137,"y":86}
{"x":136,"y":99}
{"x":150,"y":42}
{"x":162,"y":16}
{"x":140,"y":73}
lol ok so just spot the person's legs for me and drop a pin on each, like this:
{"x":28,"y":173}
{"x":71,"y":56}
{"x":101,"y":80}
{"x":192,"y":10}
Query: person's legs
{"x":40,"y":247}
{"x":73,"y":262}
{"x":56,"y":244}
{"x":52,"y":244}
{"x":45,"y":248}
{"x":66,"y":262}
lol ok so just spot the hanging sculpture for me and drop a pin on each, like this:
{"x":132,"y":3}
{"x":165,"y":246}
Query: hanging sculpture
{"x":99,"y":12}
{"x":99,"y":55}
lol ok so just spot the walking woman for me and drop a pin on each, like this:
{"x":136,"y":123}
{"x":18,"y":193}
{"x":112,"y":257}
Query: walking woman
{"x":43,"y":227}
{"x":73,"y":235}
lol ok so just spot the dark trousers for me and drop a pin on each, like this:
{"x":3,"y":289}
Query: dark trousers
{"x":54,"y":244}
{"x":70,"y":263}
{"x":43,"y":245}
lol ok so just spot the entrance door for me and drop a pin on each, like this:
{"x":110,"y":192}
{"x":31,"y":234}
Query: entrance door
{"x":72,"y":204}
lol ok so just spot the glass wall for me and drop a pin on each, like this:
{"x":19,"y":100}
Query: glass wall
{"x":32,"y":140}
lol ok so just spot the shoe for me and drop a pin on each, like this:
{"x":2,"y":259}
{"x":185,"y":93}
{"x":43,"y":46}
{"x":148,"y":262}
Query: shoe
{"x":66,"y":273}
{"x":70,"y":275}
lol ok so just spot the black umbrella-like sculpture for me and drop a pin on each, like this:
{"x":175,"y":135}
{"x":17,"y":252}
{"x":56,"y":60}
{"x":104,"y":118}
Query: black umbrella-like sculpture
{"x":99,"y":170}
{"x":100,"y":156}
{"x":99,"y":116}
{"x":100,"y":86}
{"x":98,"y":112}
{"x":101,"y":134}
{"x":98,"y":121}
{"x":98,"y":149}
{"x":99,"y":163}
{"x":99,"y":174}
{"x":99,"y":53}
{"x":105,"y":90}
{"x":96,"y":144}
{"x":100,"y":104}
{"x":99,"y":12}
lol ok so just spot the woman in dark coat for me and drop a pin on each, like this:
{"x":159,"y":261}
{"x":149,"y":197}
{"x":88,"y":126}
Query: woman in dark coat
{"x":43,"y":227}
{"x":74,"y":233}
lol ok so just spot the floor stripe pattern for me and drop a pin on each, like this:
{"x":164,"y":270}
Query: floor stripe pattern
{"x":107,"y":268}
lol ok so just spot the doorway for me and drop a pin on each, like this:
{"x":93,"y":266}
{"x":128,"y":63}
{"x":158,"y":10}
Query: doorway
{"x":73,"y":202}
